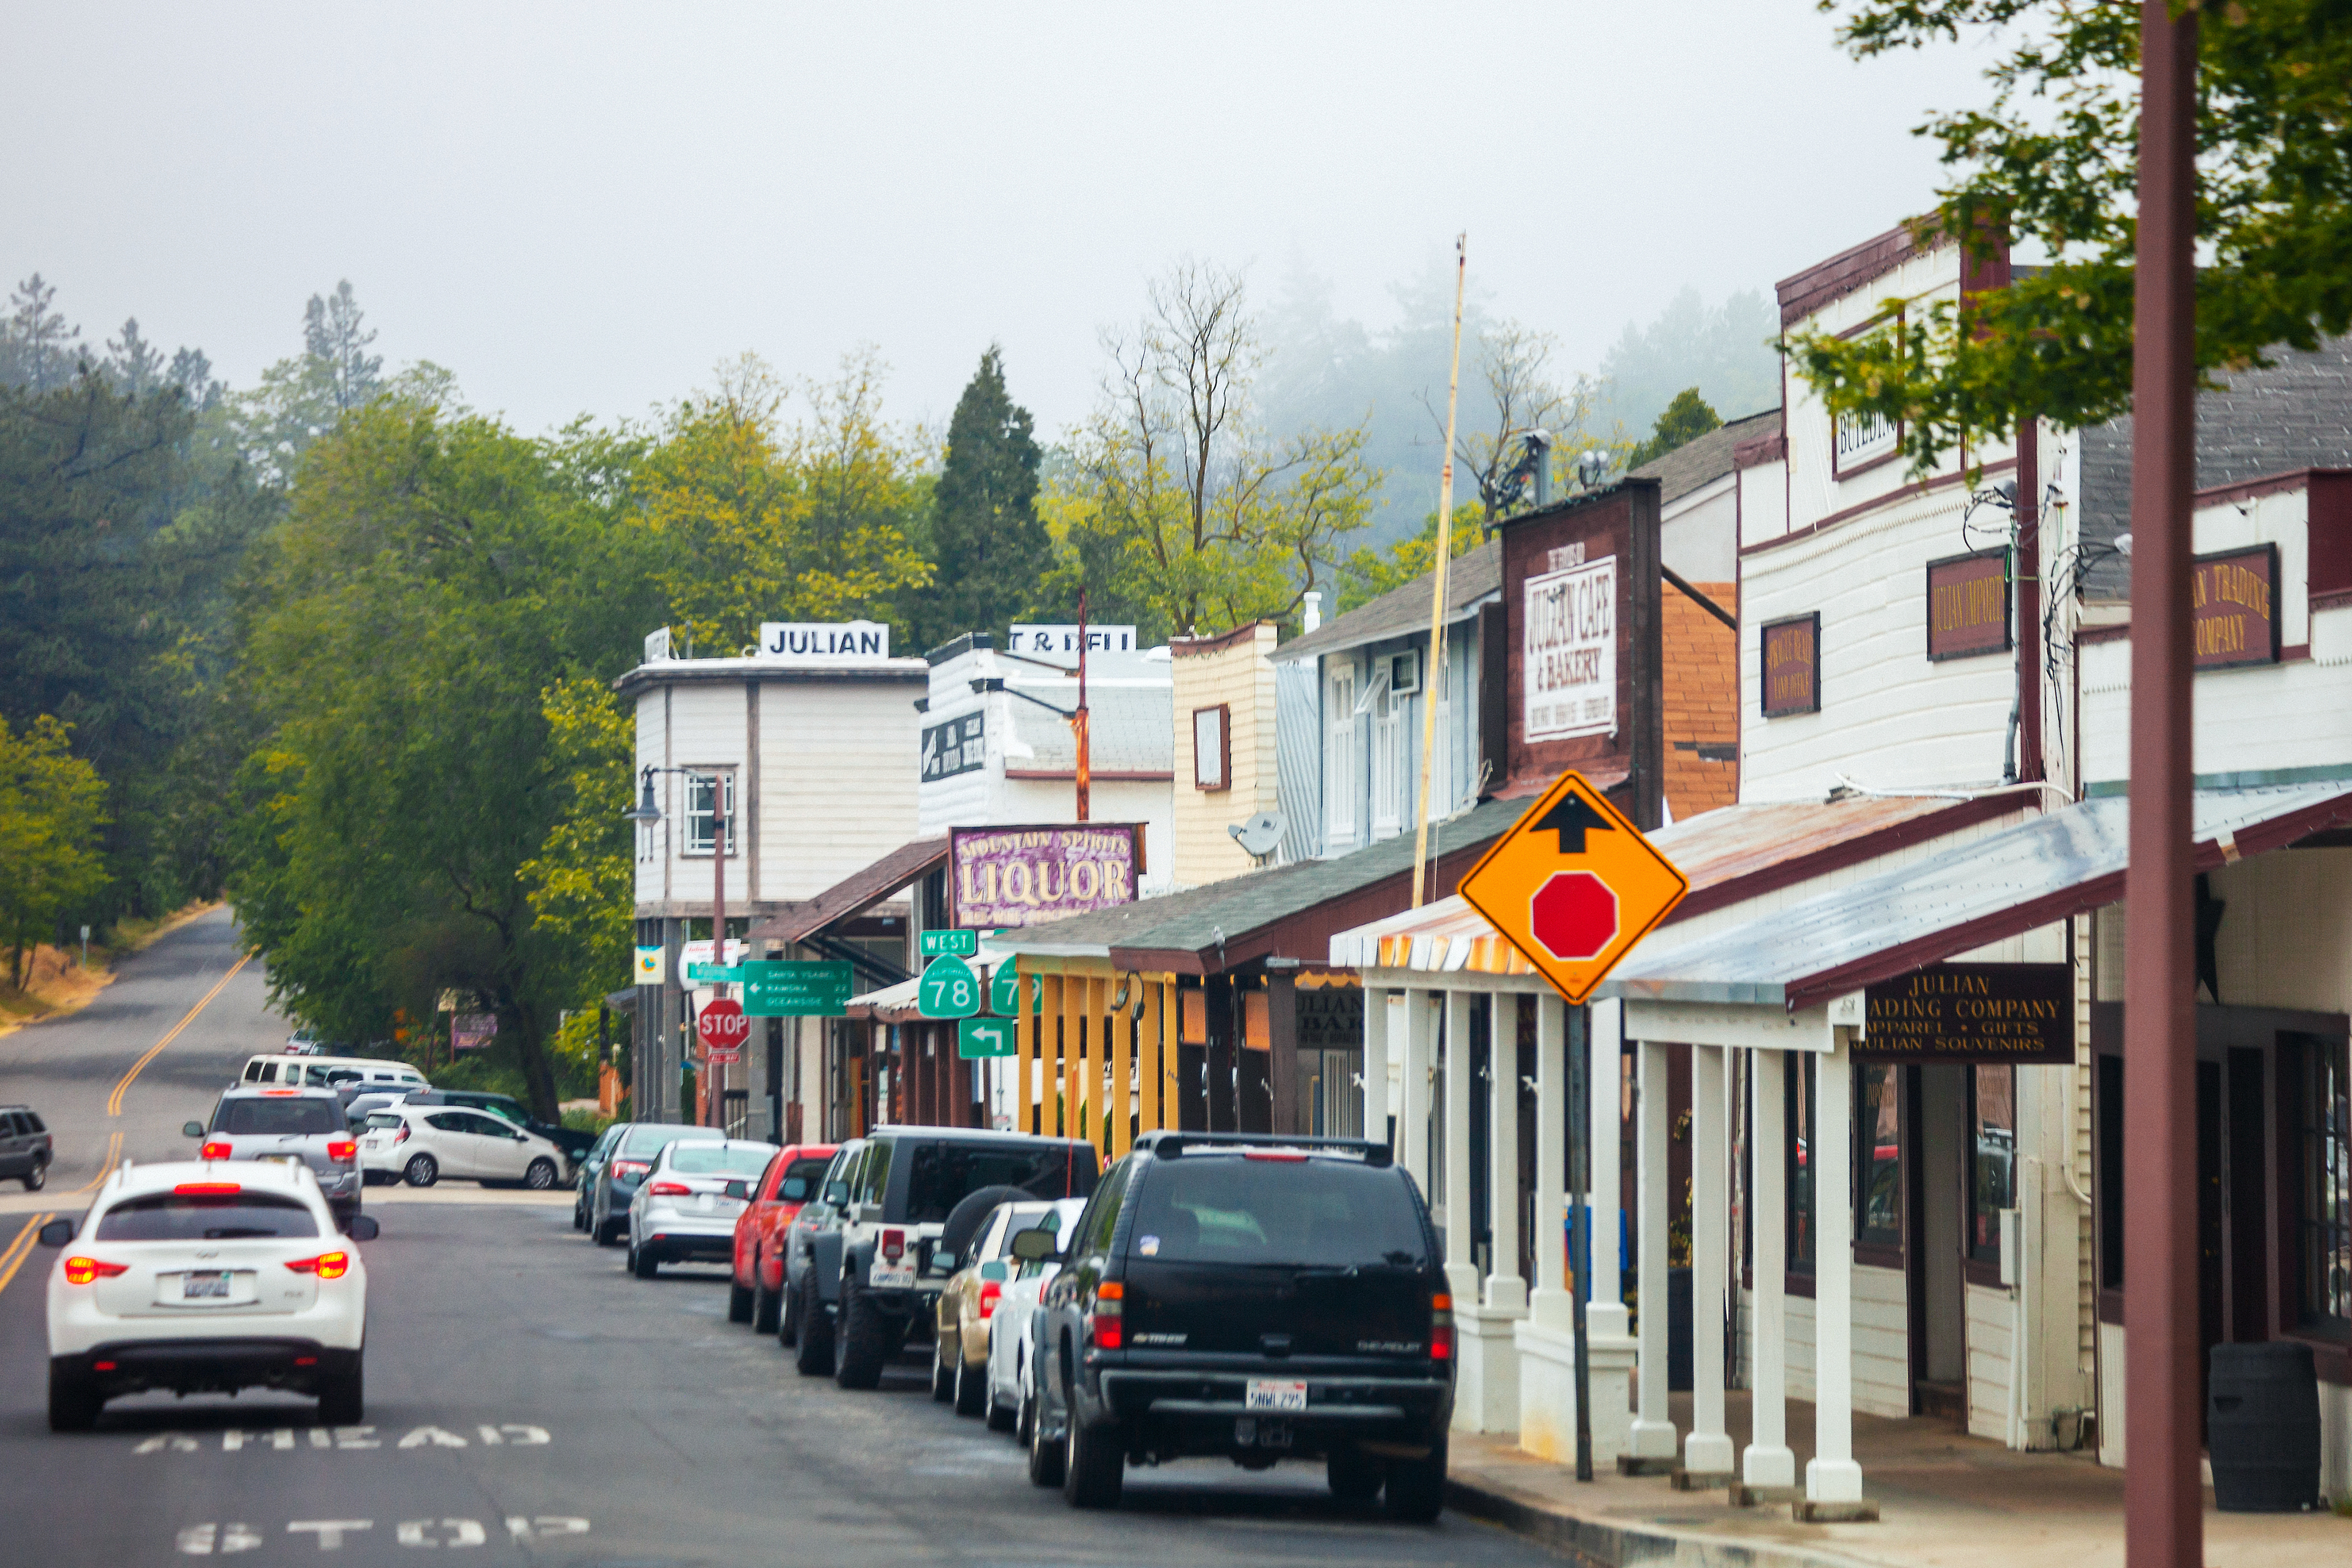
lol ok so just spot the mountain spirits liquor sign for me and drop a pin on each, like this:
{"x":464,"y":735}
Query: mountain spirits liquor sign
{"x":1004,"y":877}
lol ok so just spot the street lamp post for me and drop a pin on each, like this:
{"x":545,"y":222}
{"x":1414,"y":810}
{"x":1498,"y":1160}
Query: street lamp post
{"x":649,"y":812}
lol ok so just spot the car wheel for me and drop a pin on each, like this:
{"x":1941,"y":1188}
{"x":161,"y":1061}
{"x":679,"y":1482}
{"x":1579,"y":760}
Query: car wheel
{"x":73,"y":1403}
{"x":1354,"y":1475}
{"x":609,"y":1233}
{"x":37,"y":1177}
{"x":643,"y":1263}
{"x":1416,"y":1487}
{"x":422,"y":1170}
{"x":942,"y":1373}
{"x":541,"y":1177}
{"x":788,"y":1320}
{"x":1044,"y":1457}
{"x":1095,"y":1464}
{"x":343,"y":1399}
{"x":738,"y":1303}
{"x":766,"y":1305}
{"x":1002,"y":1417}
{"x":579,"y":1218}
{"x":861,"y":1342}
{"x":813,"y":1353}
{"x":971,"y":1388}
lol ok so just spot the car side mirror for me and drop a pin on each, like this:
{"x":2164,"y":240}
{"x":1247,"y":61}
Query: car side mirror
{"x":1035,"y":1246}
{"x":192,"y":1130}
{"x":363,"y":1228}
{"x":942,"y":1261}
{"x":738,"y":1189}
{"x":837,"y":1192}
{"x":57,"y":1232}
{"x":992,"y":1271}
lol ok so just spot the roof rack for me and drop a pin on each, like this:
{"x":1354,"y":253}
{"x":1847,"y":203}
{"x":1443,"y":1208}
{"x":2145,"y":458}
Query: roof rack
{"x":1168,"y":1146}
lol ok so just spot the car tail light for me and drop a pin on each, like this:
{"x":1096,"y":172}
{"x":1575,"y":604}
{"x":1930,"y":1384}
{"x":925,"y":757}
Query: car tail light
{"x":343,"y":1149}
{"x":1287,"y":1156}
{"x":988,"y":1292}
{"x":326,"y":1265}
{"x":670,"y":1189}
{"x":207,"y":1188}
{"x":624,"y":1169}
{"x":102,"y":1367}
{"x":218,"y":1149}
{"x":82,"y":1270}
{"x":1106,"y":1322}
{"x":402,"y":1135}
{"x":894,"y":1245}
{"x":1440,"y":1327}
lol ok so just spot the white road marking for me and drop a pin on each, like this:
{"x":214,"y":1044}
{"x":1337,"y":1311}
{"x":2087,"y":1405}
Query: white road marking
{"x":213,"y":1539}
{"x":545,"y":1525}
{"x":346,"y":1439}
{"x":204,"y":1540}
{"x":462,"y":1532}
{"x":330,"y":1532}
{"x":435,"y":1436}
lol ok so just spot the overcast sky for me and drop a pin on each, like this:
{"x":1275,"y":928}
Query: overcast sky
{"x":581,"y":208}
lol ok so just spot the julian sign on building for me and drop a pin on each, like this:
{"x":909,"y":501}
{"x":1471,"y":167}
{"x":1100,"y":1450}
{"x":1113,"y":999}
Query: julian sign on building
{"x":1000,"y":878}
{"x":1972,"y":1012}
{"x":825,"y":642}
{"x":1576,"y":676}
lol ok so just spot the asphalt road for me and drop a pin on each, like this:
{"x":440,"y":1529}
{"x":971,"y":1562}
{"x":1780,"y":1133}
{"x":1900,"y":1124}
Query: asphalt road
{"x":528,"y":1402}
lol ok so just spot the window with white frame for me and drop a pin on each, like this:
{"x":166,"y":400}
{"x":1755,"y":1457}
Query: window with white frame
{"x":1389,"y":786}
{"x":1340,"y":780}
{"x":699,"y":822}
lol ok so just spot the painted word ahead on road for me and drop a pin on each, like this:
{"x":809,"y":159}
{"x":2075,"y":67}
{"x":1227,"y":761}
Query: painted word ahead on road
{"x":1574,"y":885}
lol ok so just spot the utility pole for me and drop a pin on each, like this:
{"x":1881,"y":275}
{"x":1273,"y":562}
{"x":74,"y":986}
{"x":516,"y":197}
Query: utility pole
{"x":1078,"y":721}
{"x":714,"y":1077}
{"x":1436,"y":659}
{"x":2163,"y":1501}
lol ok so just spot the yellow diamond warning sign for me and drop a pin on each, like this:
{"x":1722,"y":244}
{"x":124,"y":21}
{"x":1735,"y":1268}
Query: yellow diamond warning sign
{"x":1573,"y":886}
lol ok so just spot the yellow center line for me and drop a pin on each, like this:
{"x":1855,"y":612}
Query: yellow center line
{"x":114,"y":1101}
{"x":20,"y":1248}
{"x":105,"y":1165}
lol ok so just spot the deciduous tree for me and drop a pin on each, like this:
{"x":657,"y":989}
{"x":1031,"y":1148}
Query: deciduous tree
{"x":52,"y":809}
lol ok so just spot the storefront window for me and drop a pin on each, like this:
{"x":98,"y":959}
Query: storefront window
{"x":1992,"y":1148}
{"x":1878,"y":1154}
{"x":1802,"y":1104}
{"x":2327,"y":1117}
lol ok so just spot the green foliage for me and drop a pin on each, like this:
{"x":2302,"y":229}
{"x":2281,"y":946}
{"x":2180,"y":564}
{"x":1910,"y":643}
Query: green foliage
{"x":1727,"y":349}
{"x":989,"y":551}
{"x":52,"y":806}
{"x":1686,"y":418}
{"x":1369,"y":573}
{"x":582,"y":883}
{"x":2052,"y":159}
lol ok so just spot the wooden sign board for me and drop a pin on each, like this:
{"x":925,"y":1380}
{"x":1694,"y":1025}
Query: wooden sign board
{"x":2233,"y":607}
{"x":1972,"y":1012}
{"x":1791,"y":657}
{"x":1967,"y":605}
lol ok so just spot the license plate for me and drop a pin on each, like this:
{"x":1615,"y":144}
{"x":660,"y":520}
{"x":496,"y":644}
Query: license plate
{"x":1276,"y":1394}
{"x":279,"y":1159}
{"x":204,"y":1285}
{"x":891,"y":1276}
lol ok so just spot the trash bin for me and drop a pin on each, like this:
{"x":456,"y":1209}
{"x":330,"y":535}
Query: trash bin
{"x":2262,"y":1427}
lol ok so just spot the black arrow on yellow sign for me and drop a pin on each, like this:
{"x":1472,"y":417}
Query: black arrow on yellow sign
{"x":1572,"y":813}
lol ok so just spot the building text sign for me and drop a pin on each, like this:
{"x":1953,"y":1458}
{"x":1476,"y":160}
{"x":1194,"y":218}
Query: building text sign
{"x":1967,"y":605}
{"x":825,"y":642}
{"x":1792,"y":665}
{"x":955,"y":745}
{"x":1972,"y":1012}
{"x":2233,"y":607}
{"x":1024,"y":638}
{"x":1570,"y":674}
{"x":1000,"y":878}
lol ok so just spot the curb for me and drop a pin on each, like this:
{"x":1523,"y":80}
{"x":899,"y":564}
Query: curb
{"x":1593,"y":1544}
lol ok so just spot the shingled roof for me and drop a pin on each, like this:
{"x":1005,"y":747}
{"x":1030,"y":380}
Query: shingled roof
{"x":1704,"y":459}
{"x":1471,"y":580}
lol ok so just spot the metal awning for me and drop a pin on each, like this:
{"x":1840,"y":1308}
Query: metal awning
{"x":2050,"y":868}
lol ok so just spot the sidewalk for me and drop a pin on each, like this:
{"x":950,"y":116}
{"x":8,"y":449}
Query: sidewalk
{"x":1946,"y":1502}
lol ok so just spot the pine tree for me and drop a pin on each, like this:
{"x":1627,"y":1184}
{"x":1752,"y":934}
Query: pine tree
{"x":332,"y":337}
{"x":990,"y":549}
{"x":132,"y":363}
{"x":1686,"y":419}
{"x":36,"y":343}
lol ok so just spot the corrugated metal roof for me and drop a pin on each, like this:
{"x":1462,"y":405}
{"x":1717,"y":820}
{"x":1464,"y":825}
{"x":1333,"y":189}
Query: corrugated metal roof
{"x":1471,"y":580}
{"x":1130,"y":729}
{"x":858,"y":890}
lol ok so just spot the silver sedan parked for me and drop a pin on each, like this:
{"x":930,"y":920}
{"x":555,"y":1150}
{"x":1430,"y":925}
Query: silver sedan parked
{"x":685,"y":1209}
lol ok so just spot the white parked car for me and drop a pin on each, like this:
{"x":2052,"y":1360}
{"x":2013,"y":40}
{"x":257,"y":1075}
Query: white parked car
{"x":421,"y":1143}
{"x":686,"y":1207}
{"x":1012,"y":1391}
{"x":206,"y":1276}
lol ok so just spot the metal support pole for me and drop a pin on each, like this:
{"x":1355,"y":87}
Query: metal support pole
{"x":1580,"y":1177}
{"x":2163,"y":1516}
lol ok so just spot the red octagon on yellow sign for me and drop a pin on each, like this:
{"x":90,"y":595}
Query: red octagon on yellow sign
{"x":1574,"y":915}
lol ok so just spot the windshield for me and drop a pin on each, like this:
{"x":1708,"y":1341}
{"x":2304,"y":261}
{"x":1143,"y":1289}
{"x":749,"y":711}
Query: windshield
{"x":650,"y":1138}
{"x":944,"y":1174}
{"x":720,"y":1159}
{"x":208,"y":1216}
{"x":285,"y":1117}
{"x":383,"y":1121}
{"x":1303,"y":1212}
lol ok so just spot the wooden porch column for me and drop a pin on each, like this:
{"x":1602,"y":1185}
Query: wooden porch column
{"x":1412,"y":1108}
{"x":1461,"y":1271}
{"x":1123,"y":1025}
{"x":1549,"y":1305}
{"x":1150,"y":1040}
{"x":1769,"y":1462}
{"x":1506,"y":1291}
{"x":1376,"y":1064}
{"x":1832,"y":1475}
{"x":1707,"y":1449}
{"x":1074,"y":1040}
{"x":1048,"y":1087}
{"x":1653,"y":1426}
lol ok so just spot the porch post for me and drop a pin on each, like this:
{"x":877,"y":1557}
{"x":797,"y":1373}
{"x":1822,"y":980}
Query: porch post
{"x":1549,"y":1304}
{"x":1376,"y":1064}
{"x":1461,"y":1273}
{"x":1609,"y":1353}
{"x":1654,"y":1426}
{"x":1832,"y":1475}
{"x":1413,"y":1102}
{"x":1505,"y":1291}
{"x":1769,"y":1462}
{"x":1707,"y":1449}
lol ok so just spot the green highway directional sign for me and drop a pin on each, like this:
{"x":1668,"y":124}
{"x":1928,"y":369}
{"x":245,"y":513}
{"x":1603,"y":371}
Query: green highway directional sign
{"x":787,"y":987}
{"x":1005,"y":991}
{"x":949,"y":944}
{"x":949,"y":991}
{"x":977,"y":1039}
{"x":709,"y":974}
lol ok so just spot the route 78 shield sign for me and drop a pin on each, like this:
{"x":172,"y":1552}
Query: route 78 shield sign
{"x":1574,"y":885}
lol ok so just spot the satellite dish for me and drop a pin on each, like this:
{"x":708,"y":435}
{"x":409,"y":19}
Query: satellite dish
{"x":1260,"y":834}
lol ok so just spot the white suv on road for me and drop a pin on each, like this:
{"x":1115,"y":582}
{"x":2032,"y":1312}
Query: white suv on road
{"x":421,"y":1143}
{"x":206,"y":1276}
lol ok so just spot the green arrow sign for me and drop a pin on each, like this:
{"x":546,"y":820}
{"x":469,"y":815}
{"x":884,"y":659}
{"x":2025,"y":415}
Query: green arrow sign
{"x":981,"y":1038}
{"x":950,"y":944}
{"x":730,"y":973}
{"x":784,"y":988}
{"x":949,"y":990}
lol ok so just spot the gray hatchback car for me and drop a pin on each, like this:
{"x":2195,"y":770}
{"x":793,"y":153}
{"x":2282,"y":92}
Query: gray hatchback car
{"x":296,"y":1126}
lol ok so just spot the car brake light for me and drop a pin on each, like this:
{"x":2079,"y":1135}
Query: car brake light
{"x":670,"y":1189}
{"x":621,"y":1168}
{"x":219,"y":1149}
{"x":1287,"y":1156}
{"x":343,"y":1149}
{"x":275,"y":1093}
{"x":402,"y":1135}
{"x":988,"y":1292}
{"x":102,"y":1367}
{"x":894,"y":1245}
{"x":1105,"y":1322}
{"x":1440,"y":1327}
{"x":207,"y":1188}
{"x":326,"y":1265}
{"x":82,"y":1270}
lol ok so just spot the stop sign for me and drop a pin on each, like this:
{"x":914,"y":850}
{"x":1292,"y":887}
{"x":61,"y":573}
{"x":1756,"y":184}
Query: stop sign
{"x":1574,"y":915}
{"x":723,"y":1027}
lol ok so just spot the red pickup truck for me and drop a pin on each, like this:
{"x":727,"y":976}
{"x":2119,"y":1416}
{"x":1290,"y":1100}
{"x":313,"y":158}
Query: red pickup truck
{"x":789,"y":1180}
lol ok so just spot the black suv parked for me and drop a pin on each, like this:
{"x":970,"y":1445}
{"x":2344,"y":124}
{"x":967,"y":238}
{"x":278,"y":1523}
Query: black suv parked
{"x":870,"y":1274}
{"x":1252,"y":1296}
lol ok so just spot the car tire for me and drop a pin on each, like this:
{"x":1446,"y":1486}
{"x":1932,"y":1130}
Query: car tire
{"x":73,"y":1403}
{"x":1354,"y":1475}
{"x":422,"y":1170}
{"x":609,"y":1233}
{"x":1416,"y":1487}
{"x":1095,"y":1465}
{"x":37,"y":1177}
{"x":540,"y":1175}
{"x":767,"y":1306}
{"x":942,"y":1375}
{"x":788,"y":1319}
{"x":738,"y":1303}
{"x":342,"y":1398}
{"x":578,"y":1219}
{"x":861,"y":1341}
{"x":813,"y":1353}
{"x":1044,"y":1457}
{"x":643,"y":1263}
{"x":1001,"y":1418}
{"x":971,"y":1388}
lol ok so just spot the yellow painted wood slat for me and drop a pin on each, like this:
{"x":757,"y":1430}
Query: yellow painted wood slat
{"x":1155,"y":1000}
{"x":1026,"y":1038}
{"x":1121,"y":1105}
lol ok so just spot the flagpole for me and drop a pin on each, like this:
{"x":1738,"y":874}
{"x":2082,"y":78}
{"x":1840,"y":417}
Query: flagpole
{"x":1436,"y":657}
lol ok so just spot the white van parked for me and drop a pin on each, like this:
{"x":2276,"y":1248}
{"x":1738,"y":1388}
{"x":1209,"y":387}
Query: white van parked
{"x":331,"y":1071}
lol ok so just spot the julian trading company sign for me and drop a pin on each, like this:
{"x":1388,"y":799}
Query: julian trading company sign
{"x":2232,"y":614}
{"x":999,"y":878}
{"x":1972,"y":1012}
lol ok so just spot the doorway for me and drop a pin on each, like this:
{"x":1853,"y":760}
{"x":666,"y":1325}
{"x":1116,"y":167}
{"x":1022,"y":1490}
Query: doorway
{"x":1938,"y":1300}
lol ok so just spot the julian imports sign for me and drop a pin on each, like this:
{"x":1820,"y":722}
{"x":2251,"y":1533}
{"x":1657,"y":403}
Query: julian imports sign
{"x":1972,"y":1012}
{"x":2233,"y":609}
{"x":1792,"y":665}
{"x":1569,"y":675}
{"x":1967,"y":605}
{"x":825,"y":642}
{"x":1004,"y":877}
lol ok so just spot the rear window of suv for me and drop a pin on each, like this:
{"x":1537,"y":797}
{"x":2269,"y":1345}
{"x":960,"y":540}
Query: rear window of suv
{"x":651,"y":1138}
{"x":940,"y":1176}
{"x":297,"y":1117}
{"x":718,"y":1159}
{"x":1314,"y":1213}
{"x":204,"y":1217}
